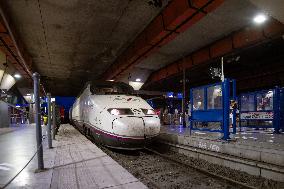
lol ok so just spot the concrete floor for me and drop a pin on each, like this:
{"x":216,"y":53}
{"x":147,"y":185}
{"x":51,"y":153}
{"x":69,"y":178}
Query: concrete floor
{"x":256,"y":152}
{"x":262,"y":138}
{"x":7,"y":130}
{"x":17,"y":147}
{"x":74,"y":162}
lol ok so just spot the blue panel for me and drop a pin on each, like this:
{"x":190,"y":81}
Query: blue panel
{"x":282,"y":108}
{"x":219,"y":105}
{"x":263,"y":103}
{"x":208,"y":115}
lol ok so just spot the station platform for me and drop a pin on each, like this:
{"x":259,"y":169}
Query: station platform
{"x":74,"y":162}
{"x":5,"y":130}
{"x":259,"y":153}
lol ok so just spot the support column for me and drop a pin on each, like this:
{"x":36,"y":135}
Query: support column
{"x":49,"y":121}
{"x":5,"y":117}
{"x":36,"y":78}
{"x":183,"y":99}
{"x":31,"y":115}
{"x":276,"y":108}
{"x":53,"y":120}
{"x":226,"y":109}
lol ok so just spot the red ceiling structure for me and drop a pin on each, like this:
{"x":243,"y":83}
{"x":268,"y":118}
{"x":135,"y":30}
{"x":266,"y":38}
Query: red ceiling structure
{"x":174,"y":19}
{"x":178,"y":16}
{"x":13,"y":48}
{"x":244,"y":38}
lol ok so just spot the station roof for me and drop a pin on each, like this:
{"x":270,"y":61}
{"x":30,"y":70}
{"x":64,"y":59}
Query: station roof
{"x":71,"y":42}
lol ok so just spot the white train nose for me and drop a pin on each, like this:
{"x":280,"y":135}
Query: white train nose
{"x":129,"y":127}
{"x":152,"y":126}
{"x":137,"y":126}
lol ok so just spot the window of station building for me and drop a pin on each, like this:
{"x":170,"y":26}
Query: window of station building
{"x":264,"y":101}
{"x":198,"y":99}
{"x":247,"y":102}
{"x":214,"y":97}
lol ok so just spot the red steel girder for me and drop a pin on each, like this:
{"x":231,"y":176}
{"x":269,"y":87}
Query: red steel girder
{"x":13,"y":47}
{"x":246,"y":37}
{"x":174,"y":19}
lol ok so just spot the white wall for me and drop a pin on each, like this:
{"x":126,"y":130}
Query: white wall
{"x":4,"y":115}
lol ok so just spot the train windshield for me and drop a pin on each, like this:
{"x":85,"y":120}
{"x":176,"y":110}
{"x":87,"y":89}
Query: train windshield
{"x":106,"y":88}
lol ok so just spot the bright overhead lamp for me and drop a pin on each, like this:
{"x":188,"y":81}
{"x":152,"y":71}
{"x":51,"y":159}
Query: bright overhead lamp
{"x":28,"y":94}
{"x":136,"y":85}
{"x":260,"y":18}
{"x":110,"y":80}
{"x":1,"y":74}
{"x":18,"y":76}
{"x":138,"y":80}
{"x":7,"y":82}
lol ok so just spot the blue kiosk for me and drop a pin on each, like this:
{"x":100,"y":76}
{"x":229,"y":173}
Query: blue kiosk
{"x":262,"y":109}
{"x":211,"y":103}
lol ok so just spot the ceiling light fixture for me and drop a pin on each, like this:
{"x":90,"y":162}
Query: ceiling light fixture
{"x":18,"y":76}
{"x":138,"y":80}
{"x":260,"y":18}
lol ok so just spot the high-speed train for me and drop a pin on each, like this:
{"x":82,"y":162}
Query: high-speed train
{"x":107,"y":112}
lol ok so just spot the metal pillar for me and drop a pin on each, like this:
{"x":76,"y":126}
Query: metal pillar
{"x":226,"y":109}
{"x":36,"y":78}
{"x":276,"y":108}
{"x":49,"y":121}
{"x":222,"y":70}
{"x":53,"y":120}
{"x":183,"y":99}
{"x":235,"y":108}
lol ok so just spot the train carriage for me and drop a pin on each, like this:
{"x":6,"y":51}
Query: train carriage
{"x":112,"y":116}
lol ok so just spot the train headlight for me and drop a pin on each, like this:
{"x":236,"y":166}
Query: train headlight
{"x":148,"y":111}
{"x":120,"y":111}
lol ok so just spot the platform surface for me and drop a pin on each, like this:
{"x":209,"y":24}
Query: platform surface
{"x":258,"y":145}
{"x":74,"y":162}
{"x":260,"y":138}
{"x":4,"y":130}
{"x":257,"y":152}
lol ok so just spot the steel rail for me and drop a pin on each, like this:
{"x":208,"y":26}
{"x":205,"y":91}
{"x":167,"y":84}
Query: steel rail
{"x":204,"y":171}
{"x":234,"y":182}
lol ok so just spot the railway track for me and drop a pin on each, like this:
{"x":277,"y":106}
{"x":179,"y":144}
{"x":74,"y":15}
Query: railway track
{"x":231,"y":181}
{"x":159,"y":170}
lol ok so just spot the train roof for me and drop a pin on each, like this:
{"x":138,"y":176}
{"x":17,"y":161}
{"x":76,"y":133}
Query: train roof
{"x":118,"y":87}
